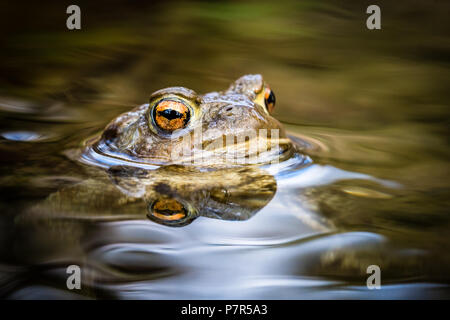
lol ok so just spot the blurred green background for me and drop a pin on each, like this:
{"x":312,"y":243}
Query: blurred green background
{"x":324,"y":64}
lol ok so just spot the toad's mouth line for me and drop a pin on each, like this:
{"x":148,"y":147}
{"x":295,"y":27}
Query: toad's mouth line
{"x":100,"y":154}
{"x":238,"y":154}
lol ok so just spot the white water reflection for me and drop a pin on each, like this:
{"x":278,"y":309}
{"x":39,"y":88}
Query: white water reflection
{"x":23,"y":136}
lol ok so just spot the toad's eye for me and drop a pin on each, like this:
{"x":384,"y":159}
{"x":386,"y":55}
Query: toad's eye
{"x":168,"y":210}
{"x":170,"y":115}
{"x":269,"y":99}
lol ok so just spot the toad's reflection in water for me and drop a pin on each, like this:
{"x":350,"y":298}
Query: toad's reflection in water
{"x":171,"y":195}
{"x":227,"y":194}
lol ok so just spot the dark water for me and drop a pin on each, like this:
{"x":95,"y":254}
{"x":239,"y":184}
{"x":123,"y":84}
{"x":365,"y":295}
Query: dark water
{"x":372,"y":106}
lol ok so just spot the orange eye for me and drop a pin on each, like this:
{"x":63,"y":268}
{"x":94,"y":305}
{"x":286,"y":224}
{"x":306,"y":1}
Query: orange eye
{"x":169,"y":210}
{"x":269,"y":99}
{"x":170,"y":115}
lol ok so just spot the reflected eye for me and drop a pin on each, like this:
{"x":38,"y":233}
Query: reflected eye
{"x":269,"y":99}
{"x":168,"y":210}
{"x":170,"y":115}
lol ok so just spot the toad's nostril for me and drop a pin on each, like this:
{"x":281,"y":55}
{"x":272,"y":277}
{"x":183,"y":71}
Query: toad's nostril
{"x":228,"y":112}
